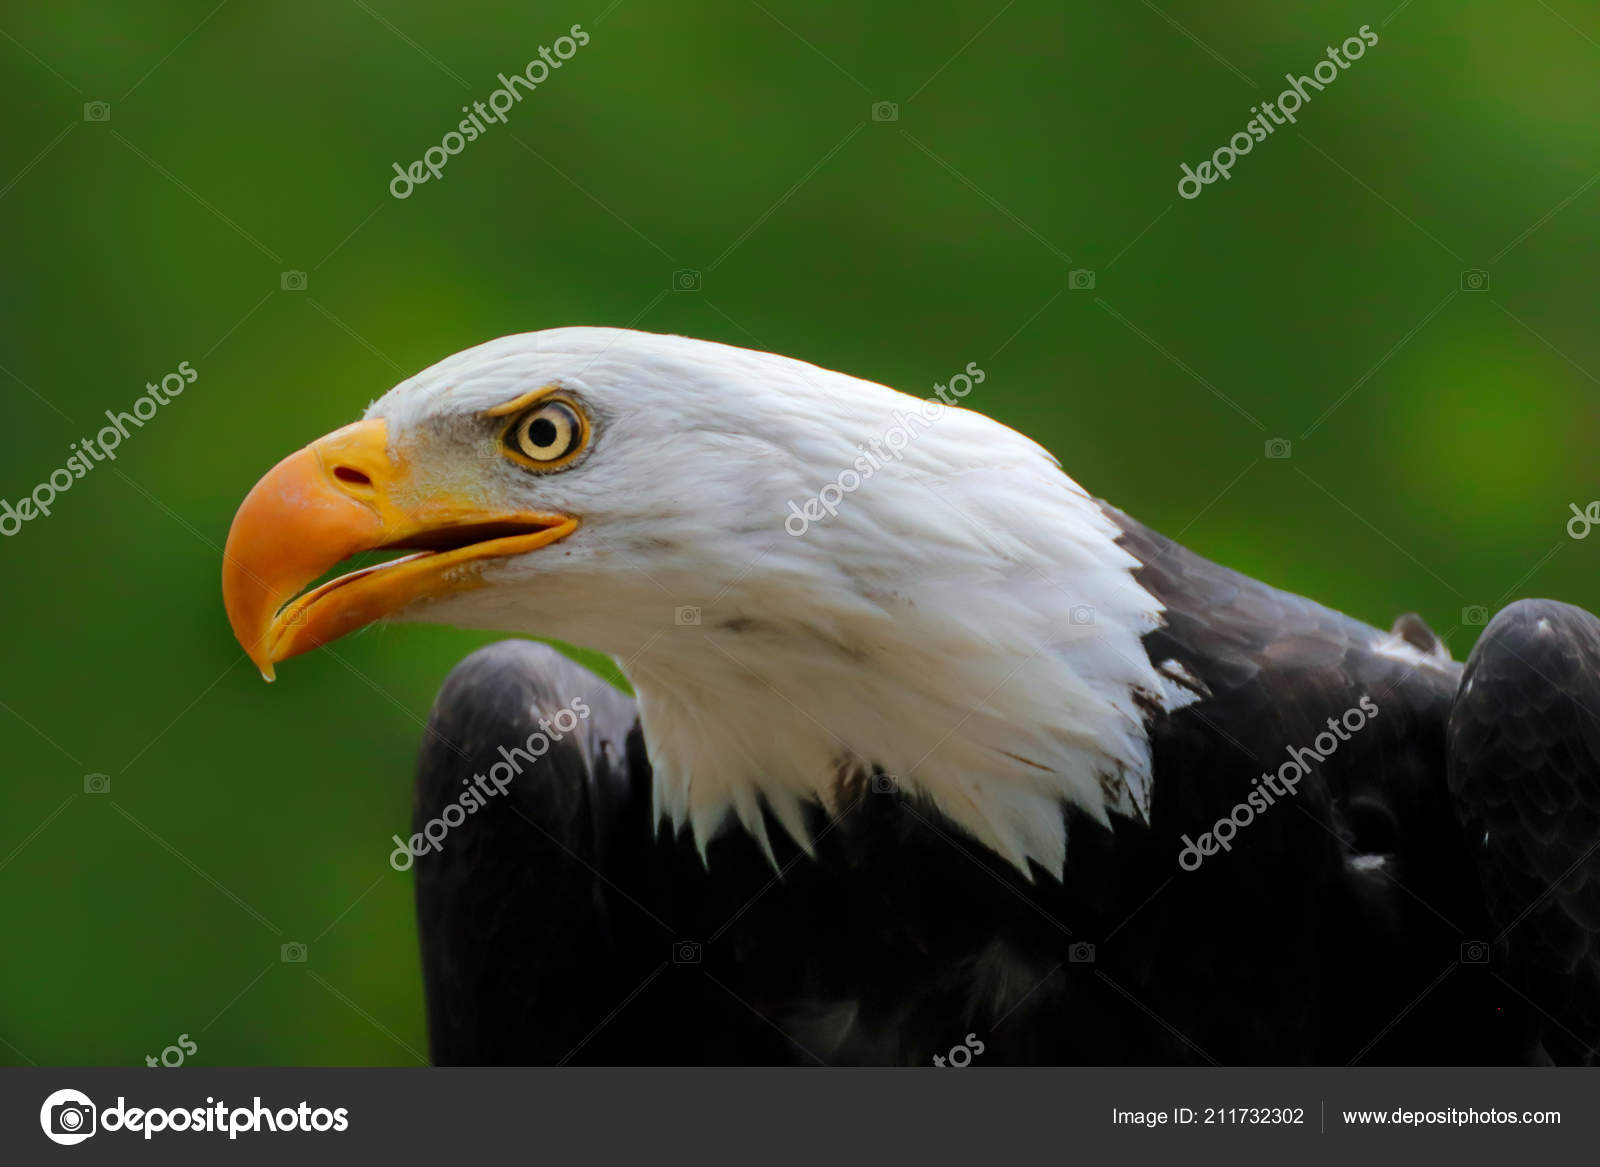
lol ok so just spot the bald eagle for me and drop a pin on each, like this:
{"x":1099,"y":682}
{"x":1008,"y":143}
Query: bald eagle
{"x":931,"y":756}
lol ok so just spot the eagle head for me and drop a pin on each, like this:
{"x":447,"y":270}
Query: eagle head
{"x":808,"y":578}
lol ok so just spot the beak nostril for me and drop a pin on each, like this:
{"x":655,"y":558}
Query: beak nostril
{"x":351,"y":475}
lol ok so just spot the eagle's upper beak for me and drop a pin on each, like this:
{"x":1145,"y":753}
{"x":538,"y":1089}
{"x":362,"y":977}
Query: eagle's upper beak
{"x":344,"y":494}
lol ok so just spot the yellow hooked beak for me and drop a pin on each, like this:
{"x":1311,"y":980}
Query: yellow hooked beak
{"x":342,"y":495}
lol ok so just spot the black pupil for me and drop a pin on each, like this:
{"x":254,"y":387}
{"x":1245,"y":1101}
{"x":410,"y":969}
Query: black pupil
{"x":542,"y":433}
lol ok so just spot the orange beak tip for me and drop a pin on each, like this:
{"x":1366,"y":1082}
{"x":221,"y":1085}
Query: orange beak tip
{"x":334,"y":499}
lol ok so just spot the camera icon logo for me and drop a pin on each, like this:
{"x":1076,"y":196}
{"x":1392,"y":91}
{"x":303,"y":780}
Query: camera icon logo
{"x":884,"y":784}
{"x":1280,"y":449}
{"x":97,"y":111}
{"x":885,"y":111}
{"x":292,"y":953}
{"x":686,"y":279}
{"x":1081,"y":953}
{"x":685,"y":952}
{"x":1081,"y":615}
{"x":1080,"y":279}
{"x":292,"y":281}
{"x":67,"y":1117}
{"x":1474,"y":615}
{"x":1475,"y":952}
{"x":97,"y":783}
{"x":687,"y":616}
{"x":1474,"y":279}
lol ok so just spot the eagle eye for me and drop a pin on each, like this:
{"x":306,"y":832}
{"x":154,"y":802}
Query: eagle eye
{"x":548,"y":435}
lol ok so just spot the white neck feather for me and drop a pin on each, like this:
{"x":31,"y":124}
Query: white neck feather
{"x":998,"y":689}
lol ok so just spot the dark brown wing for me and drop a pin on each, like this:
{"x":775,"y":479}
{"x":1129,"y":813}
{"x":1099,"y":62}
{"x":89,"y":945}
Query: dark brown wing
{"x":1388,"y":897}
{"x":1525,"y":768}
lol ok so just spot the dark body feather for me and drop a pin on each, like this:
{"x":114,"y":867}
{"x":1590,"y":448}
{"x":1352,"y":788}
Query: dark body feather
{"x":558,"y":925}
{"x":1525,"y":768}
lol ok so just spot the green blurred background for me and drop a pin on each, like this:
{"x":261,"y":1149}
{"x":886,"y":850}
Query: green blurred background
{"x":734,"y":139}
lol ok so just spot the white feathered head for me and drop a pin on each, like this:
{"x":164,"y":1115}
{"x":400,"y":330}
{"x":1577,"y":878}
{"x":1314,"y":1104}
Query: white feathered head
{"x":806,"y":577}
